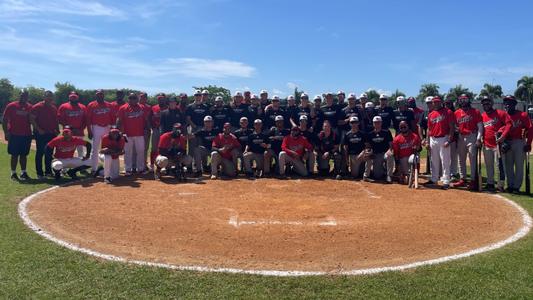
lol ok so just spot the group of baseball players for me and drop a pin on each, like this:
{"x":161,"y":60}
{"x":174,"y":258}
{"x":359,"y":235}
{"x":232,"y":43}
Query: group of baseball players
{"x":338,"y":136}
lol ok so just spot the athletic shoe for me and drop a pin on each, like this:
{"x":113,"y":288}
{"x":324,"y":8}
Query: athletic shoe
{"x":128,"y":173}
{"x":157,"y":174}
{"x":445,"y":186}
{"x":213,"y":177}
{"x":338,"y":177}
{"x":14,"y":176}
{"x":490,"y":187}
{"x":366,"y":179}
{"x":389,"y":180}
{"x":48,"y":174}
{"x":72,"y":174}
{"x":40,"y":177}
{"x":97,"y":172}
{"x":57,"y":175}
{"x":107,"y":180}
{"x":460,"y":183}
{"x":472,"y":186}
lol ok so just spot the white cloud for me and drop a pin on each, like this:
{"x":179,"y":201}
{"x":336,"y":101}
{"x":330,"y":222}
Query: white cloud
{"x":210,"y":69}
{"x":15,"y":8}
{"x":278,"y":92}
{"x":291,"y":85}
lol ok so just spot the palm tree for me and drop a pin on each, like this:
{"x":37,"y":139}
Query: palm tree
{"x":426,"y":90}
{"x":524,"y":89}
{"x":457,"y":91}
{"x":491,"y":91}
{"x":373,"y":95}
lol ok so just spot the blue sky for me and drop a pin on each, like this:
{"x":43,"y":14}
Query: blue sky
{"x":170,"y":46}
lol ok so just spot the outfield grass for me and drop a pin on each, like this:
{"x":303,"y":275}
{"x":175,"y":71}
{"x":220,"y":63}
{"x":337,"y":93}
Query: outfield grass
{"x":31,"y":266}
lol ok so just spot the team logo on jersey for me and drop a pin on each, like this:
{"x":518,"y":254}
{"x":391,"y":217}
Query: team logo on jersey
{"x":66,"y":148}
{"x":101,"y":111}
{"x":74,"y":113}
{"x":438,"y":119}
{"x":490,"y":123}
{"x":257,"y":141}
{"x":199,"y":110}
{"x":464,"y":119}
{"x":407,"y":145}
{"x":134,"y":114}
{"x":355,"y":140}
{"x":378,"y":139}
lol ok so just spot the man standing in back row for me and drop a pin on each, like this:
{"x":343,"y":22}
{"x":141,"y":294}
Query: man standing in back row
{"x":99,"y":120}
{"x":43,"y":117}
{"x":132,"y":121}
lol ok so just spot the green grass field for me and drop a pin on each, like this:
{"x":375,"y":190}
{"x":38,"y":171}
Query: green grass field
{"x":32,"y":267}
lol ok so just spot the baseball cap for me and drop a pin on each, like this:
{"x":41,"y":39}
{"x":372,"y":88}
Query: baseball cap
{"x":303,"y":117}
{"x":351,"y":96}
{"x":218,"y":98}
{"x":383,"y":96}
{"x":377,"y":119}
{"x":429,"y":99}
{"x":254,"y":96}
{"x":317,"y":97}
{"x":67,"y":130}
{"x":369,"y":105}
{"x":304,"y":95}
{"x":263,"y":92}
{"x":73,"y":96}
{"x":400,"y":99}
{"x":509,"y":98}
{"x":243,"y":119}
{"x":227,"y":125}
{"x":329,"y":94}
{"x":341,"y":93}
{"x":205,"y":92}
{"x":486,"y":99}
{"x":208,"y":118}
{"x":363,"y":95}
{"x":354,"y":119}
{"x":183,"y":95}
{"x":411,"y":99}
{"x":197,"y":93}
{"x":258,"y":121}
{"x":278,"y":118}
{"x":275,"y":98}
{"x":463,"y":96}
{"x":436,"y":99}
{"x":237,"y":94}
{"x":114,"y":130}
{"x":99,"y":92}
{"x":291,"y":97}
{"x":160,"y":97}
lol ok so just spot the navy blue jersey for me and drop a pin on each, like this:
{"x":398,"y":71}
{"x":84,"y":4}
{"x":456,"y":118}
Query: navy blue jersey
{"x":242,"y":135}
{"x":332,"y":114}
{"x":255,"y":140}
{"x":355,"y":141}
{"x":327,"y":143}
{"x":276,"y":136}
{"x":380,"y":141}
{"x":220,"y":116}
{"x":206,"y":137}
{"x":237,"y":113}
{"x":197,"y":112}
{"x":271,"y":114}
{"x":387,"y":115}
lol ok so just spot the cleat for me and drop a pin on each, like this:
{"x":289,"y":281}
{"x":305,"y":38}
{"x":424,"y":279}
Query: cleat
{"x":107,"y":180}
{"x":72,"y":174}
{"x":460,"y":183}
{"x":14,"y":176}
{"x":445,"y":186}
{"x":97,"y":172}
{"x":213,"y":177}
{"x":389,"y":180}
{"x":24,"y":176}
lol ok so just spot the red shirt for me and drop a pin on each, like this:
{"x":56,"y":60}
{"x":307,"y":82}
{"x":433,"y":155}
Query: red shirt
{"x":64,"y":148}
{"x":231,"y":142}
{"x":18,"y":118}
{"x":156,"y":116}
{"x":296,"y":144}
{"x":132,"y":119}
{"x":100,"y":114}
{"x":403,"y":145}
{"x":496,"y":121}
{"x":166,"y":141}
{"x":113,"y":144}
{"x":418,"y":112}
{"x":519,"y":122}
{"x":45,"y":116}
{"x":467,"y":120}
{"x":147,"y":109}
{"x":72,"y":115}
{"x":115,"y":107}
{"x":439,"y":122}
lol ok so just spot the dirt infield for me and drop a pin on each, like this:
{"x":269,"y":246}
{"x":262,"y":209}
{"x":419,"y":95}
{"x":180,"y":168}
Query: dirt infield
{"x":269,"y":224}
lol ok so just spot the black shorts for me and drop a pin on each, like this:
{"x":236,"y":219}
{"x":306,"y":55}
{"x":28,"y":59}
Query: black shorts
{"x":19,"y":145}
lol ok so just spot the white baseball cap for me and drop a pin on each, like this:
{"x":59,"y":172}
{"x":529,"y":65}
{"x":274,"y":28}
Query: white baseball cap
{"x":258,"y":121}
{"x":354,"y":119}
{"x":278,"y":118}
{"x":369,"y":105}
{"x":197,"y":92}
{"x":208,"y":118}
{"x":340,"y":92}
{"x":237,"y":94}
{"x":377,"y":119}
{"x":263,"y":92}
{"x":363,"y":95}
{"x":291,"y":97}
{"x":383,"y":96}
{"x":254,"y":96}
{"x":352,"y":96}
{"x":304,"y":95}
{"x":244,"y":119}
{"x":219,"y":98}
{"x":400,"y":99}
{"x":303,"y":117}
{"x":429,"y":99}
{"x":205,"y":92}
{"x":317,"y":97}
{"x":275,"y":98}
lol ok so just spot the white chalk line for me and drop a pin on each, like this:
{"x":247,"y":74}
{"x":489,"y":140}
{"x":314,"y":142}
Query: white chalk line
{"x":523,"y":231}
{"x":235,"y":222}
{"x":369,"y":192}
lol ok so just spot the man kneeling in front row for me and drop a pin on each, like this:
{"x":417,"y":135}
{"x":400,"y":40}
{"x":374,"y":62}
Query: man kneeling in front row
{"x":112,"y":147}
{"x":172,"y":153}
{"x":64,"y":146}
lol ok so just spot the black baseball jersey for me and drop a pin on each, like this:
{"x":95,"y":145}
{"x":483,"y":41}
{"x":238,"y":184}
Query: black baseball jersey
{"x":387,"y":115}
{"x":253,"y":113}
{"x":355,"y":142}
{"x":237,"y":113}
{"x":348,"y":112}
{"x":170,"y":117}
{"x":242,"y":135}
{"x":292,"y":113}
{"x":406,"y":115}
{"x":271,"y":114}
{"x":206,"y":137}
{"x":310,"y":136}
{"x":332,"y":114}
{"x":255,"y":140}
{"x":379,"y":141}
{"x":220,"y":116}
{"x":276,"y":136}
{"x":327,"y":143}
{"x":197,"y":112}
{"x":303,"y":111}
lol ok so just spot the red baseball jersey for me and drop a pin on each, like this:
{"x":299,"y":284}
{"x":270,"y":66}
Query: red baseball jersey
{"x":73,"y":116}
{"x":132,"y":119}
{"x":439,"y":122}
{"x":147,"y":108}
{"x":519,"y":122}
{"x":231,"y":142}
{"x":166,"y":141}
{"x":100,"y":114}
{"x":18,"y":118}
{"x":403,"y":145}
{"x":467,"y":120}
{"x":107,"y":142}
{"x":45,"y":116}
{"x":115,"y":106}
{"x":496,"y":121}
{"x":296,"y":144}
{"x":64,"y":148}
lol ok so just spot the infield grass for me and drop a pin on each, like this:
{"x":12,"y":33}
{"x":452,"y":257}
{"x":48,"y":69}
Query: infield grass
{"x":32,"y":267}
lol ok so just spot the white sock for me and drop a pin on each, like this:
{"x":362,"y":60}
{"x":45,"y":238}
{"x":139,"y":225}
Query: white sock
{"x":22,"y":171}
{"x":13,"y":172}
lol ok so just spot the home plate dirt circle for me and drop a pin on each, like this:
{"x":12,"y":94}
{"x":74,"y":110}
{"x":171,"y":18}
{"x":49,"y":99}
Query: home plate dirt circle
{"x":269,"y":226}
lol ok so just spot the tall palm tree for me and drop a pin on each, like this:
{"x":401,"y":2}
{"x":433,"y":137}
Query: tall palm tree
{"x":491,"y":91}
{"x":428,"y":89}
{"x":524,"y":89}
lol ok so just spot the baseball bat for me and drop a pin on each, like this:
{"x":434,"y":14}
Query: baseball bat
{"x":501,"y":168}
{"x":478,"y":171}
{"x":528,"y":182}
{"x":417,"y":159}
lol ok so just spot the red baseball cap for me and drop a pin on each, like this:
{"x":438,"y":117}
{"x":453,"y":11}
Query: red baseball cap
{"x":73,"y":96}
{"x":436,"y":99}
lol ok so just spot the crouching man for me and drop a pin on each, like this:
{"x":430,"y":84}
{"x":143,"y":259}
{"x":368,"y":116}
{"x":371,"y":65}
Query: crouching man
{"x":112,"y":147}
{"x":404,"y":146}
{"x":225,"y":148}
{"x":172,"y":153}
{"x":295,"y":149}
{"x":258,"y":143}
{"x":64,"y":146}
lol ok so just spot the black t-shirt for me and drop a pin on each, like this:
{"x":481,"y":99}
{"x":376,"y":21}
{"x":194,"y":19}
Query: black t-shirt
{"x":303,"y":111}
{"x":197,"y":112}
{"x":170,"y":117}
{"x":270,"y":116}
{"x":327,"y":143}
{"x":355,"y":142}
{"x":253,"y":113}
{"x":332,"y":114}
{"x":348,"y":112}
{"x":368,"y":123}
{"x":220,"y":116}
{"x":310,"y":136}
{"x":379,"y":141}
{"x":255,"y":140}
{"x":276,"y":136}
{"x":206,"y":137}
{"x":387,"y":115}
{"x":406,"y":115}
{"x":237,"y":113}
{"x":292,"y":113}
{"x":242,"y":136}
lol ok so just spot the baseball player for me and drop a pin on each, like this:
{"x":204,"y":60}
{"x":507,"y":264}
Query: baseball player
{"x":404,"y":146}
{"x":132,"y":122}
{"x":254,"y":111}
{"x":73,"y":114}
{"x":454,"y":156}
{"x":305,"y":109}
{"x":403,"y":113}
{"x":195,"y":114}
{"x":276,"y":135}
{"x":224,"y":147}
{"x":171,"y":116}
{"x":385,"y":112}
{"x":470,"y":126}
{"x":43,"y":117}
{"x":332,"y":113}
{"x":520,"y":143}
{"x":255,"y":150}
{"x":64,"y":146}
{"x":238,"y":110}
{"x":423,"y":131}
{"x":417,"y":112}
{"x":161,"y":106}
{"x":172,"y":153}
{"x":112,"y":147}
{"x":263,"y":99}
{"x":147,"y":109}
{"x":311,"y":137}
{"x":272,"y":111}
{"x":99,"y":119}
{"x":220,"y":113}
{"x":369,"y":114}
{"x":291,"y":111}
{"x":17,"y":130}
{"x":382,"y":158}
{"x":205,"y":138}
{"x":441,"y":128}
{"x":318,"y":117}
{"x":119,"y":101}
{"x":354,"y":143}
{"x":497,"y":124}
{"x":242,"y":135}
{"x":295,"y":150}
{"x":327,"y":149}
{"x":340,"y":99}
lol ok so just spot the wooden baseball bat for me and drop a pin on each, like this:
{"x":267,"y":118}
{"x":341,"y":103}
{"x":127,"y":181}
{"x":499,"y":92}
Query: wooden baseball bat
{"x":528,"y":181}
